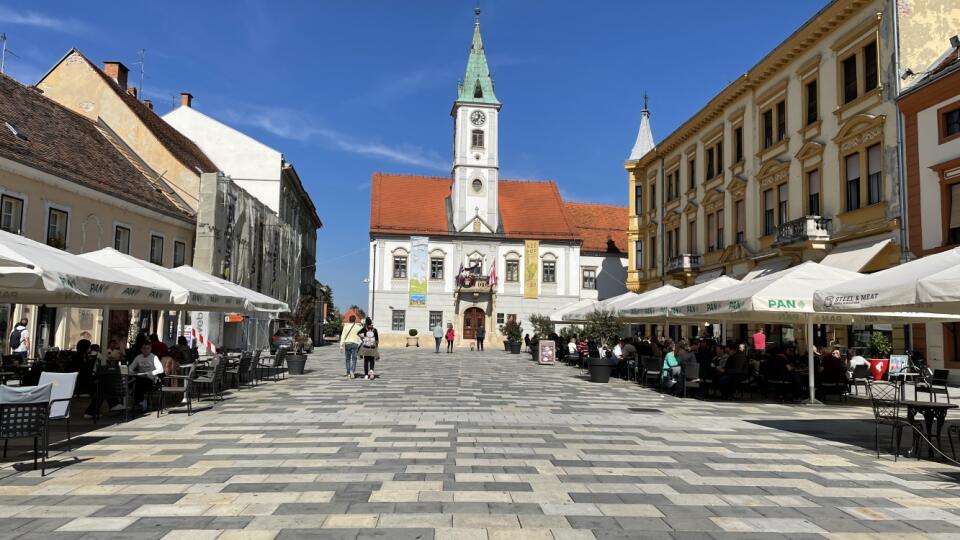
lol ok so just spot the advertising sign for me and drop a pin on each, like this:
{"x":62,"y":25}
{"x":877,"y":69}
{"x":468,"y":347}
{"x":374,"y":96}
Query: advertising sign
{"x":547,"y":352}
{"x":417,"y":271}
{"x":531,"y":268}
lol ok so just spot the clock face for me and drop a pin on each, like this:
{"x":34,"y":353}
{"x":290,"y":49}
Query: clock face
{"x":478,"y":118}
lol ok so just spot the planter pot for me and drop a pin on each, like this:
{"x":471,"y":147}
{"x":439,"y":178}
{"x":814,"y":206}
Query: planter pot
{"x":506,"y":346}
{"x":413,"y":341}
{"x":515,"y":347}
{"x":295,"y":363}
{"x":600,"y":370}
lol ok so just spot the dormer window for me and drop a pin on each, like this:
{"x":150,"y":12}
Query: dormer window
{"x":476,"y":138}
{"x":478,"y":91}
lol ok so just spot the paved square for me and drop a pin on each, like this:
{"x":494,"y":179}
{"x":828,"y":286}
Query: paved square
{"x":481,"y":446}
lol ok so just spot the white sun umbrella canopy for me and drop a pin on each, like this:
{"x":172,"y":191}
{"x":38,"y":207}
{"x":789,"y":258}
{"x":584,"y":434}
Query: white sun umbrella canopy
{"x":35,"y":273}
{"x":255,"y":301}
{"x":930,"y":284}
{"x":580,"y":310}
{"x":666,"y":305}
{"x":186,"y":292}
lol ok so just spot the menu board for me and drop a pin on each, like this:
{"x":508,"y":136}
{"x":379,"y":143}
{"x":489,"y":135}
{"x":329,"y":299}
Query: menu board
{"x":898,"y":362}
{"x":547,"y":352}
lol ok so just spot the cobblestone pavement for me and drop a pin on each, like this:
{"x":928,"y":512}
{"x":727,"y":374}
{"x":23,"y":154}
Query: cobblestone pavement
{"x":480,"y":446}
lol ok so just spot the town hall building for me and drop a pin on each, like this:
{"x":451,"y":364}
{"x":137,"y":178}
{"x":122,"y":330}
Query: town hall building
{"x":475,"y":250}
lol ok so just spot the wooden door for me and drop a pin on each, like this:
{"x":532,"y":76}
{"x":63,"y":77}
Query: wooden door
{"x":473,"y":318}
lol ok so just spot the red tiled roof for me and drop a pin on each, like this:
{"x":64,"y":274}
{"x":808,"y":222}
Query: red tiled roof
{"x":65,"y":144}
{"x":599,"y":225}
{"x":183,"y":149}
{"x":402,"y":204}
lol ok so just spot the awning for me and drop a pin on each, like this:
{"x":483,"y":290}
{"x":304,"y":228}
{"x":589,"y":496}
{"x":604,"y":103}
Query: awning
{"x":255,"y":301}
{"x":766,"y":268}
{"x":855,"y":255}
{"x":708,"y":276}
{"x":585,"y":304}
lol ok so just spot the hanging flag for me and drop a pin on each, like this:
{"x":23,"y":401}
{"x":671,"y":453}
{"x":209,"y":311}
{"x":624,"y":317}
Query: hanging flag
{"x":417,"y":271}
{"x":493,"y":273}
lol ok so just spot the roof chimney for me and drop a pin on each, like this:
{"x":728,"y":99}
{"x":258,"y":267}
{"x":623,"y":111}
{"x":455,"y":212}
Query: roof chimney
{"x":148,"y":103}
{"x":132,"y":90}
{"x":118,"y":72}
{"x":186,"y":99}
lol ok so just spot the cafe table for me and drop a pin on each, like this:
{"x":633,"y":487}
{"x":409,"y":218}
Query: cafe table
{"x":934,"y":413}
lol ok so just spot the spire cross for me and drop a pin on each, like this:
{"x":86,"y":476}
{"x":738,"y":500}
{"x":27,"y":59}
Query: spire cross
{"x":645,"y":109}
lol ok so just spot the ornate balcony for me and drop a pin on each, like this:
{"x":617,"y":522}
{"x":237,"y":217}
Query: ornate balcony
{"x":805,"y":229}
{"x":473,"y":283}
{"x":686,"y":262}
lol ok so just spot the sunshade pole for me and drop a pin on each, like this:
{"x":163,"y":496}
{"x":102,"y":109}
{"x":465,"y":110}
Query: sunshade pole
{"x":105,"y":329}
{"x":813,"y":389}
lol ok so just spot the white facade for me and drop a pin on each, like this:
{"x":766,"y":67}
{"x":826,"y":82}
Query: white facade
{"x":251,"y":164}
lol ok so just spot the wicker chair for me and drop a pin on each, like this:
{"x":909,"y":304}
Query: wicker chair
{"x":25,"y":414}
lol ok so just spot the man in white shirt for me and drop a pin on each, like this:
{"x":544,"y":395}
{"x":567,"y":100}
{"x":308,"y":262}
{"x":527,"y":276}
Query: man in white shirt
{"x":146,"y":366}
{"x":23,"y":347}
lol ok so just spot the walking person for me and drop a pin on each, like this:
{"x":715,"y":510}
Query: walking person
{"x":20,"y":339}
{"x":369,"y":348}
{"x":349,"y":345}
{"x":481,"y":335}
{"x":438,"y":336}
{"x":450,"y":336}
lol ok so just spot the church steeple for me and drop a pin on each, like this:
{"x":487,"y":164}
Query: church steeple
{"x":645,"y":136}
{"x":477,"y":86}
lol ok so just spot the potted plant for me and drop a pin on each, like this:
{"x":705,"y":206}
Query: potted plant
{"x":412,"y":339}
{"x":514,"y":333}
{"x":601,"y":325}
{"x":880,"y":349}
{"x":301,"y":320}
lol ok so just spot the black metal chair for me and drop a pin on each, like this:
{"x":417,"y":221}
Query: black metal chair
{"x":932,"y":383}
{"x":860,"y":375}
{"x":651,"y":370}
{"x":239,"y":370}
{"x":885,"y":400}
{"x":186,"y":390}
{"x":61,"y":396}
{"x":25,"y":414}
{"x":212,"y":376}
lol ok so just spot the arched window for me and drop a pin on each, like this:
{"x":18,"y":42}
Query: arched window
{"x":476,"y":139}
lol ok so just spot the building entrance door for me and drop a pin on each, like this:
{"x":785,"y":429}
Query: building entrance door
{"x":473,"y":318}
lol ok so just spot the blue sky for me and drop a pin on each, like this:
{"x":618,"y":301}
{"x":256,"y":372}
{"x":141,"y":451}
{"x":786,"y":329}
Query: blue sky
{"x":345,"y":88}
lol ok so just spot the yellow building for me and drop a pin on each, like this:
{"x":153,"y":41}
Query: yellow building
{"x":70,"y":183}
{"x":795,"y":160}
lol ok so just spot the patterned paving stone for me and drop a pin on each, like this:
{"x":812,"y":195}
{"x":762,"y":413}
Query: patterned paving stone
{"x":480,"y":446}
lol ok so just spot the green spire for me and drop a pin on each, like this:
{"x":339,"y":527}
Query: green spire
{"x":477,"y":86}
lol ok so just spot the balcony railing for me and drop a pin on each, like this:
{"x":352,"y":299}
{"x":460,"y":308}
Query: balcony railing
{"x":807,"y":228}
{"x":686,"y":262}
{"x":470,"y":283}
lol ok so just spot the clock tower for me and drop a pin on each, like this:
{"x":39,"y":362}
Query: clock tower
{"x":476,"y":161}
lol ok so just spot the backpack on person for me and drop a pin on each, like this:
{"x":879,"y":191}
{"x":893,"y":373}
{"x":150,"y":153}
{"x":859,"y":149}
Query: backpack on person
{"x":369,"y":340}
{"x":15,"y":338}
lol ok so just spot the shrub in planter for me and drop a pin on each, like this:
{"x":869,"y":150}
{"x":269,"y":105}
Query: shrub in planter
{"x":413,"y":340}
{"x":514,"y":333}
{"x":296,"y":363}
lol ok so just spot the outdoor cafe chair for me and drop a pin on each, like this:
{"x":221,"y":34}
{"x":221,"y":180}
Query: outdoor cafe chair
{"x":861,"y":375}
{"x":885,"y":400}
{"x":61,"y":398}
{"x":932,"y":383}
{"x":651,"y":370}
{"x":186,"y":390}
{"x":212,"y":376}
{"x":25,"y":414}
{"x":240,"y":369}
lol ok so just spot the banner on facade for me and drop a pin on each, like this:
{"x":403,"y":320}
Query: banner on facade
{"x":417,"y":272}
{"x":531,"y":270}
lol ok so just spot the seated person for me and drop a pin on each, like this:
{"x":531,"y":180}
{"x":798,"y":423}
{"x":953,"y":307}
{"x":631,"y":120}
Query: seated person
{"x":147,"y":367}
{"x":733,"y":371}
{"x":854,"y":361}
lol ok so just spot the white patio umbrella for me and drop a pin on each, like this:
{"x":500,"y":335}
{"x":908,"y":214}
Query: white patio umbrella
{"x":787,"y":297}
{"x":930,"y":284}
{"x":664,"y":307}
{"x":255,"y":301}
{"x":186,"y":292}
{"x":578,"y":311}
{"x":35,"y":273}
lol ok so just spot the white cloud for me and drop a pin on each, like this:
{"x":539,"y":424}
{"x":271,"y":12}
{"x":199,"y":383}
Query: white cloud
{"x":39,"y":20}
{"x":294,"y":125}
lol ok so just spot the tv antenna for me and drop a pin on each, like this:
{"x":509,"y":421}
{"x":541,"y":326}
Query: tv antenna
{"x":141,"y":55}
{"x":4,"y":51}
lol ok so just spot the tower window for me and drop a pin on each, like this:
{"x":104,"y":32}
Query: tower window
{"x":478,"y":91}
{"x":477,"y":185}
{"x":476,"y":138}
